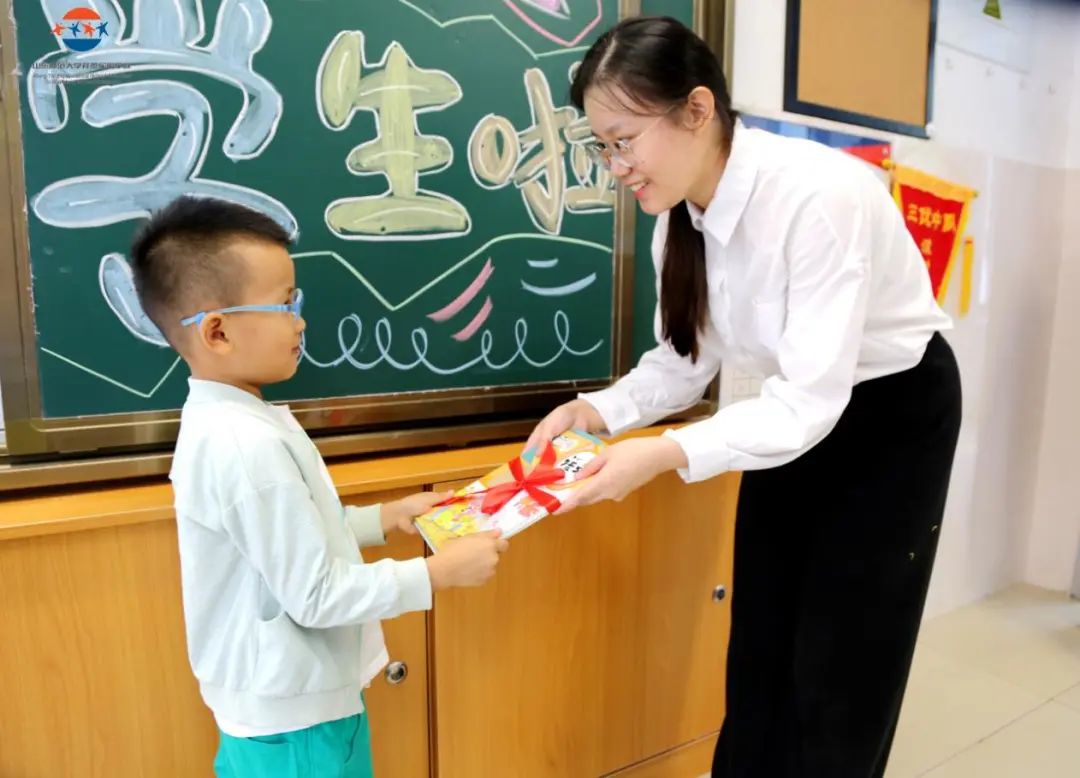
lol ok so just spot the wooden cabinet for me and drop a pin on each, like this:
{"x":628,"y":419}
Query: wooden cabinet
{"x":534,"y":673}
{"x":399,"y":711}
{"x":687,"y":537}
{"x":598,"y":649}
{"x":597,"y":645}
{"x":95,"y":680}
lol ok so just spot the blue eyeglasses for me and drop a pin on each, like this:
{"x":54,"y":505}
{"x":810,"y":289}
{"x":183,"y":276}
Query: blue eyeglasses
{"x":293,"y":306}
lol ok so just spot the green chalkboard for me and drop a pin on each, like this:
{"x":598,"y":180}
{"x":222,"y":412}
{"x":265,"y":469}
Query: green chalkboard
{"x":450,"y":232}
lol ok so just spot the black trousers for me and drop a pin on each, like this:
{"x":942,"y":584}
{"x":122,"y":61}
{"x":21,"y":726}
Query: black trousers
{"x":833,"y":554}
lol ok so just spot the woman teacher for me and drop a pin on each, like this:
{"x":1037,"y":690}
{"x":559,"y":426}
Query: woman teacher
{"x":790,"y":261}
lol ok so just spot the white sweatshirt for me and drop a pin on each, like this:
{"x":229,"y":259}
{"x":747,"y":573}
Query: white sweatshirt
{"x":282,"y":614}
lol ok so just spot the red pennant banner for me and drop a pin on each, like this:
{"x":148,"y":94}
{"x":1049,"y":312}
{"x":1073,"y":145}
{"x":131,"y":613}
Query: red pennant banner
{"x":935,"y":212}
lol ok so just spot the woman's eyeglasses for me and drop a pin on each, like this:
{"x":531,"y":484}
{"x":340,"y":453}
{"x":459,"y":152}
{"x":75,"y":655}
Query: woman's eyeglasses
{"x":620,"y":151}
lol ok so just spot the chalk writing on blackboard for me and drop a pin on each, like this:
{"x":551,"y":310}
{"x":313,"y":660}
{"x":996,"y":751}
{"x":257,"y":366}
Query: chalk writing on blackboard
{"x":541,"y":177}
{"x":165,"y":40}
{"x":564,"y":46}
{"x":562,"y":290}
{"x":544,"y":159}
{"x":397,"y":91}
{"x":556,"y":8}
{"x":92,"y":201}
{"x":418,"y":338}
{"x":118,"y":289}
{"x":457,"y":305}
{"x":353,"y":325}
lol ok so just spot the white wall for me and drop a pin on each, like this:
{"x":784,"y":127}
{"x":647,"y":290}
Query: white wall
{"x":1004,"y":102}
{"x":1054,"y":539}
{"x":1054,"y":542}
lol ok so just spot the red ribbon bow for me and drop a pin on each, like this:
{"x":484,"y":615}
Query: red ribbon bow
{"x":542,"y":474}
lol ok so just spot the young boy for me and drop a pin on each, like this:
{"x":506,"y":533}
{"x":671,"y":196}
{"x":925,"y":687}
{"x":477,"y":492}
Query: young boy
{"x":282,"y":614}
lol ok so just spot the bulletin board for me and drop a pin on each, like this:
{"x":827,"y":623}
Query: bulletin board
{"x":863,"y":62}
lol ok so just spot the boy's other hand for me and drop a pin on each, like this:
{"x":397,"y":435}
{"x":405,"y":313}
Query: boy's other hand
{"x":397,"y":516}
{"x":467,"y":561}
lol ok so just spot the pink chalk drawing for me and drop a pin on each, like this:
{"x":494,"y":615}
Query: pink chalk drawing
{"x":458,"y":303}
{"x":478,"y":320}
{"x":552,"y":7}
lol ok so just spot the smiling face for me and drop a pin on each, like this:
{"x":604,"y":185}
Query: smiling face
{"x":657,"y":103}
{"x":663,"y":154}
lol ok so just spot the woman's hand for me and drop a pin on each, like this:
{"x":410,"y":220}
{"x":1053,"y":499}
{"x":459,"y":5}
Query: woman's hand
{"x":623,"y":468}
{"x":576,"y":414}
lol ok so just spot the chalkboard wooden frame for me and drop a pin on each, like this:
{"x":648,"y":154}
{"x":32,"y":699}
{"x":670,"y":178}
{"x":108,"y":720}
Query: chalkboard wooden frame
{"x":360,"y":424}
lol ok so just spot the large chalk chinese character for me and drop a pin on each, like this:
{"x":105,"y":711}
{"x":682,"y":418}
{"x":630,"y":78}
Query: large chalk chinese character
{"x":165,"y":40}
{"x":91,"y":201}
{"x":397,"y":91}
{"x":495,"y":150}
{"x":595,"y":188}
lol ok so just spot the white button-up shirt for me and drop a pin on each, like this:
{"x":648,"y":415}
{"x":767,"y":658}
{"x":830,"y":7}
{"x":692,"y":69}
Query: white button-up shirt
{"x":814,"y":284}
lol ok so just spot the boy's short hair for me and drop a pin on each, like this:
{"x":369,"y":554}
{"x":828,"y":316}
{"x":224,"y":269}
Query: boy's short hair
{"x":181,"y":257}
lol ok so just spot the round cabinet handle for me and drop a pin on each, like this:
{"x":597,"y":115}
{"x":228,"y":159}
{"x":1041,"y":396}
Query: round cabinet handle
{"x":719,"y":593}
{"x":396,"y":673}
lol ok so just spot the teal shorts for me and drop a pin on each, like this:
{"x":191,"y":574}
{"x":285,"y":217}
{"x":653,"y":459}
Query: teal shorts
{"x":336,"y":749}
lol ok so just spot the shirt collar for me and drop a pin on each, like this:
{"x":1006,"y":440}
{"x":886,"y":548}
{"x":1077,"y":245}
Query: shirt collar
{"x":733,"y":190}
{"x":200,"y":391}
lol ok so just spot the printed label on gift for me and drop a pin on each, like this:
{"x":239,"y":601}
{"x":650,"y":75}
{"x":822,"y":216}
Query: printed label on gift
{"x":575,"y":463}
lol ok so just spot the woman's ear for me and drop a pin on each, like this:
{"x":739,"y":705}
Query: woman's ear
{"x":700,"y":108}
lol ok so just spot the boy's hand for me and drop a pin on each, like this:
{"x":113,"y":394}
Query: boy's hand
{"x":399,"y":515}
{"x":467,"y":561}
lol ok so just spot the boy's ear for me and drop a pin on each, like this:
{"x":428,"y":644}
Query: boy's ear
{"x":213,"y":334}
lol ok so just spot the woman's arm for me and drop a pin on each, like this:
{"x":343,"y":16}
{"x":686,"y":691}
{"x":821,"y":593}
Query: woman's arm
{"x":829,"y":257}
{"x":663,"y":382}
{"x":818,"y":352}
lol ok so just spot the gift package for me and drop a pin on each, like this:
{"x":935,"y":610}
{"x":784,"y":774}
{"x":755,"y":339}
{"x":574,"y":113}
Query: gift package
{"x":515,"y":495}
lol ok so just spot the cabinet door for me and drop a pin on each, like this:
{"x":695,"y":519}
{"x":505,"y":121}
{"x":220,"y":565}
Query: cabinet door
{"x":398,"y":705}
{"x":534,"y":672}
{"x":687,"y":539}
{"x":597,"y":645}
{"x":96,"y":680}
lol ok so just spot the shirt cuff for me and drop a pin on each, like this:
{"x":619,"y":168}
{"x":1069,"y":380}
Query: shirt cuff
{"x":615,"y":407}
{"x":415,"y":585}
{"x":707,"y":456}
{"x":366,"y":524}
